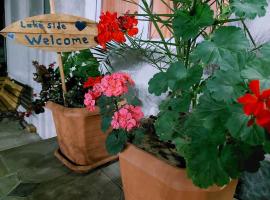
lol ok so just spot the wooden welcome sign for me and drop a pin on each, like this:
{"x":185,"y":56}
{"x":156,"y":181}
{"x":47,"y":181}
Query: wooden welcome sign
{"x":53,"y":32}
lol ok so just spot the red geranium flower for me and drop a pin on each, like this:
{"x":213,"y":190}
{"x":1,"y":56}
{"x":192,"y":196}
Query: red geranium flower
{"x":257,"y":104}
{"x":109,"y":29}
{"x":128,"y":24}
{"x":92,"y":81}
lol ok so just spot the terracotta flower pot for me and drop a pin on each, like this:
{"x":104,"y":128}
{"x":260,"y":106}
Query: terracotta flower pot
{"x":145,"y":177}
{"x":79,"y":135}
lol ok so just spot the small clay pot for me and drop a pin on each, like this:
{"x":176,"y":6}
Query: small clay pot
{"x":145,"y":177}
{"x":79,"y":135}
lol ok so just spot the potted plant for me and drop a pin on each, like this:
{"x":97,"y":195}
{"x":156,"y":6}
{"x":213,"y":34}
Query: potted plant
{"x":214,"y":122}
{"x":81,"y":144}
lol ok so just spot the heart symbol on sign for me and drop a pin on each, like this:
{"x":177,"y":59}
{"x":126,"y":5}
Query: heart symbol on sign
{"x":11,"y":36}
{"x":80,"y":25}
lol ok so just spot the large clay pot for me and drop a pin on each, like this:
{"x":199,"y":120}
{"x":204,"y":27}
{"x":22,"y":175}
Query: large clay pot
{"x":79,"y":135}
{"x":145,"y":177}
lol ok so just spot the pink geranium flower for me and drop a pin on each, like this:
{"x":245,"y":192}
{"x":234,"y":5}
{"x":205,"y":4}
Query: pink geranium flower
{"x":89,"y":101}
{"x":116,"y":84}
{"x":127,"y":118}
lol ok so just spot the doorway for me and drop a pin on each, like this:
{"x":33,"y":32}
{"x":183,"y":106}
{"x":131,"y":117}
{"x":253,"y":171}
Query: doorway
{"x":3,"y":58}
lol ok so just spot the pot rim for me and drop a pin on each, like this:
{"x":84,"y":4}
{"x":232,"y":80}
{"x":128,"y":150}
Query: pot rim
{"x":71,"y":111}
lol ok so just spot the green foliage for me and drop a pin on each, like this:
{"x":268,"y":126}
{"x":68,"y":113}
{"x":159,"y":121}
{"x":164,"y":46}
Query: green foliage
{"x":78,"y":66}
{"x":158,"y":84}
{"x":138,"y":136}
{"x":177,"y":77}
{"x":265,"y":52}
{"x":107,"y":108}
{"x":259,"y":71}
{"x":116,"y":141}
{"x":248,"y":8}
{"x":132,"y":97}
{"x":203,"y":148}
{"x":177,"y":104}
{"x":237,"y":124}
{"x":201,"y":115}
{"x":225,"y":42}
{"x":81,"y":64}
{"x":188,"y":24}
{"x":226,"y":85}
{"x":166,"y":125}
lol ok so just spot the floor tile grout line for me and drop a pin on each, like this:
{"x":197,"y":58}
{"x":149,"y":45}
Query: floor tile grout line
{"x":117,"y":184}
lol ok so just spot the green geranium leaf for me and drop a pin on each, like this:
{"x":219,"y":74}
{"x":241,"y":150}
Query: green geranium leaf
{"x":230,"y":161}
{"x":176,"y":72}
{"x":132,"y":97}
{"x":265,"y":52}
{"x":210,"y":111}
{"x":208,"y":106}
{"x":116,"y":141}
{"x":181,"y":78}
{"x":138,"y":136}
{"x":239,"y":129}
{"x":259,"y":71}
{"x":176,"y":77}
{"x":226,"y":41}
{"x":237,"y":61}
{"x":226,"y":85}
{"x":266,"y":147}
{"x":158,"y":84}
{"x":202,"y":147}
{"x":107,"y":108}
{"x":187,"y":25}
{"x":106,"y":123}
{"x":179,"y":104}
{"x":249,"y":8}
{"x":166,"y":125}
{"x":181,"y":145}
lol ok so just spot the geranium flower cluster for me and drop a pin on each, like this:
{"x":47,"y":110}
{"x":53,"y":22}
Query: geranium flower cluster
{"x":113,"y":85}
{"x":257,"y":105}
{"x":113,"y":28}
{"x":127,"y":118}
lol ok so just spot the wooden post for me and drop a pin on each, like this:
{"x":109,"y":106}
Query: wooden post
{"x":61,"y":69}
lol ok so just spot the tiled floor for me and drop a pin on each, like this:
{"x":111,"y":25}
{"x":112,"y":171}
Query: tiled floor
{"x":12,"y":135}
{"x":31,"y":172}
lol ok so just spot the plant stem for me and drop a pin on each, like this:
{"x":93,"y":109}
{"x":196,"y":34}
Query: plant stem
{"x":227,"y":21}
{"x":158,"y":42}
{"x":187,"y":53}
{"x":177,"y":40}
{"x":256,"y":48}
{"x":249,"y":34}
{"x":145,"y":15}
{"x":149,"y":12}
